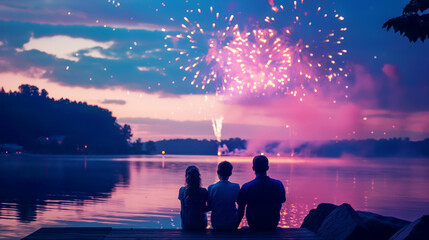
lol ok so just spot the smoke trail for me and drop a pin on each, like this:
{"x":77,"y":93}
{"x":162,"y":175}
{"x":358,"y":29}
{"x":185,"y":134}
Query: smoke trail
{"x":217,"y":127}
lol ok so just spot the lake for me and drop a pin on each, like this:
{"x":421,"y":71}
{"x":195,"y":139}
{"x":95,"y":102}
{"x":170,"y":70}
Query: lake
{"x":141,"y":191}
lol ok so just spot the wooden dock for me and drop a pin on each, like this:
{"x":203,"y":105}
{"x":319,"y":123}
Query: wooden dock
{"x":135,"y":234}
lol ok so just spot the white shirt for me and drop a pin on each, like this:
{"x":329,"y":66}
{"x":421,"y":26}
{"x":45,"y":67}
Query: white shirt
{"x":222,"y":198}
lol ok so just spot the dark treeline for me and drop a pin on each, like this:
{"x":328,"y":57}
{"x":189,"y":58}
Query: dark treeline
{"x":393,"y":147}
{"x":40,"y":124}
{"x":193,"y":146}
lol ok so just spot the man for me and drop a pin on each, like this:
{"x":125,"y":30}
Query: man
{"x":222,"y":198}
{"x":263,"y":197}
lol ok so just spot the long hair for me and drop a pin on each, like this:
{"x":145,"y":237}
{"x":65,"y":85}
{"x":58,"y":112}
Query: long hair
{"x":193,"y":182}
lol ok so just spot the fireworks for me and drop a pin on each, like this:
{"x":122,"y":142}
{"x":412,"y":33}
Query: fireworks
{"x":295,"y":51}
{"x":217,"y":128}
{"x":202,"y":42}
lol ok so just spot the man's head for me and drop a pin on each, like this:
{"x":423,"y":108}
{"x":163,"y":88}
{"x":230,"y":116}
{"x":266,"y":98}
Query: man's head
{"x":224,"y":170}
{"x":260,"y":164}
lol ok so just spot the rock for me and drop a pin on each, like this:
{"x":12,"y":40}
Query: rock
{"x":316,"y":216}
{"x":417,"y":230}
{"x":381,"y":227}
{"x":343,"y":223}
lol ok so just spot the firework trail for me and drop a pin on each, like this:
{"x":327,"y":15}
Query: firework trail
{"x":217,"y":128}
{"x":296,"y":51}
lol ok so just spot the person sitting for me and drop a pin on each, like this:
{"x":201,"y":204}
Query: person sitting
{"x":263,"y":197}
{"x":193,"y":199}
{"x":222,"y":198}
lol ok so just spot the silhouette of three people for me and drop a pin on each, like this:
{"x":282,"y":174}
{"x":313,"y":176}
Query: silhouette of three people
{"x":260,"y":198}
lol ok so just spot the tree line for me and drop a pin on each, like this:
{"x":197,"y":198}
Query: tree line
{"x":40,"y":124}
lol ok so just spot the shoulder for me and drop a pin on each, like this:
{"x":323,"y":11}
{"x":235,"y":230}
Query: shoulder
{"x":181,"y":192}
{"x":211,"y":186}
{"x":235,"y":185}
{"x":246,"y":185}
{"x":278,"y":182}
{"x":203,"y":190}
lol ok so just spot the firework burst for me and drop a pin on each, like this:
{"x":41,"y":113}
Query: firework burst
{"x":200,"y":44}
{"x":295,"y":51}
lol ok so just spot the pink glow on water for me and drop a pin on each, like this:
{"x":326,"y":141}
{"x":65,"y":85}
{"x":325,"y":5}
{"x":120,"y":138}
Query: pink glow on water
{"x":392,"y":187}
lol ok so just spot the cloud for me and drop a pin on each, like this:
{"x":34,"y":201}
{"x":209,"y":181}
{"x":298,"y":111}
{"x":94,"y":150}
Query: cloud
{"x":65,"y":47}
{"x":114,"y":101}
{"x":96,"y":53}
{"x":146,"y":69}
{"x":100,"y":64}
{"x":391,"y":71}
{"x":155,"y":129}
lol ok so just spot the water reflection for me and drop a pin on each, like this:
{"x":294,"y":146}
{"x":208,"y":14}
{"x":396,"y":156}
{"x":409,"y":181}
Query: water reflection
{"x":28,"y":185}
{"x":141,"y":191}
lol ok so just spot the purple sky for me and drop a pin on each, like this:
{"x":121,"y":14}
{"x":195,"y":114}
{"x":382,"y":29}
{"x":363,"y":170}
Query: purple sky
{"x":113,"y":55}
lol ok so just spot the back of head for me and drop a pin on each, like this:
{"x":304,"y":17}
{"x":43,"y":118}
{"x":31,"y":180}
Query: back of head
{"x":193,"y":180}
{"x":260,"y":164}
{"x":224,"y":169}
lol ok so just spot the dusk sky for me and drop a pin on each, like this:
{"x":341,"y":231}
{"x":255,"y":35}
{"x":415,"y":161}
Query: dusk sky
{"x":113,"y":54}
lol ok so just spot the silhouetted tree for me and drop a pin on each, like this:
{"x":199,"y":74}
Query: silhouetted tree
{"x":44,"y":93}
{"x":412,"y":24}
{"x":150,"y":147}
{"x":137,"y":146}
{"x":126,"y":132}
{"x":44,"y":125}
{"x":29,"y":90}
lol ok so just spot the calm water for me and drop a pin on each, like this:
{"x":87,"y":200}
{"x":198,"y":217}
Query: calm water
{"x":141,"y":191}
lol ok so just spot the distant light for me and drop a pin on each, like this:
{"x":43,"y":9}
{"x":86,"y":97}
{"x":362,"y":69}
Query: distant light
{"x":365,"y":118}
{"x":163,"y":152}
{"x":262,"y":153}
{"x":86,"y":146}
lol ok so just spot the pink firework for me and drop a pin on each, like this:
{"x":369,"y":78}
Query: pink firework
{"x":200,"y":44}
{"x":296,"y":51}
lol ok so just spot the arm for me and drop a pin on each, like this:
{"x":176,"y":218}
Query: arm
{"x":283,"y":193}
{"x":241,"y":201}
{"x":206,"y":201}
{"x":209,"y":200}
{"x":241,"y":208}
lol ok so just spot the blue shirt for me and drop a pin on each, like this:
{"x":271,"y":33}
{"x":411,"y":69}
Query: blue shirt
{"x":193,"y":209}
{"x":264,"y":197}
{"x":222,"y":198}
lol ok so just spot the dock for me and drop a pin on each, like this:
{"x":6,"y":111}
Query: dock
{"x":103,"y":233}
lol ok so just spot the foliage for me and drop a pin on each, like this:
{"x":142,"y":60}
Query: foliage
{"x":194,"y":146}
{"x":150,"y":147}
{"x":412,"y":24}
{"x":44,"y":125}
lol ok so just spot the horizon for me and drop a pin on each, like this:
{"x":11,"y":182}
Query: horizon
{"x":113,"y":56}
